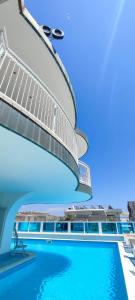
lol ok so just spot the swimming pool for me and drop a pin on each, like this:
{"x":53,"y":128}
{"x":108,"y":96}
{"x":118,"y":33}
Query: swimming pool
{"x":67,"y":270}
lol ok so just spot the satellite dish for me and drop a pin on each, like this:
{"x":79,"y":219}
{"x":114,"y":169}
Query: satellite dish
{"x":57,"y":34}
{"x":47,"y":30}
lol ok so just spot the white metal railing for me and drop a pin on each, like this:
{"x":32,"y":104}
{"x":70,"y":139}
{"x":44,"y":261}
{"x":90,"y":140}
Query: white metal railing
{"x":21,"y":88}
{"x":84,"y":172}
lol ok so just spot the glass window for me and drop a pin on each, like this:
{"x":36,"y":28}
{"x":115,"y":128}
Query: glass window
{"x":125,"y":228}
{"x":34,"y":226}
{"x":61,"y":227}
{"x":91,"y":228}
{"x":109,"y":228}
{"x":77,"y":227}
{"x":23,"y":226}
{"x":48,"y":226}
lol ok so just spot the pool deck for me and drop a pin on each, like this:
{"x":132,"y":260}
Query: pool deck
{"x":127,"y":260}
{"x":10,"y":261}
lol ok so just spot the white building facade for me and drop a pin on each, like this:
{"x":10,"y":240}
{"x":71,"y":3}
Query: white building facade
{"x":40,"y":144}
{"x":93,"y":213}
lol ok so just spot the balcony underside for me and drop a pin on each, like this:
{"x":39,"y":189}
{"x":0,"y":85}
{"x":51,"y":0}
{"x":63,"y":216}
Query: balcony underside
{"x":36,"y":163}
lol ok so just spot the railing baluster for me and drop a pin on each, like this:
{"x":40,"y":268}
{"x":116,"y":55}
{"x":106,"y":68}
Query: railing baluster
{"x":28,"y":93}
{"x":39,"y":104}
{"x":47,"y":121}
{"x":3,"y":59}
{"x":32,"y":97}
{"x":36,"y":101}
{"x":20,"y":85}
{"x":42,"y":106}
{"x":14,"y":65}
{"x":5,"y":72}
{"x":15,"y":82}
{"x":45,"y":109}
{"x":24,"y":89}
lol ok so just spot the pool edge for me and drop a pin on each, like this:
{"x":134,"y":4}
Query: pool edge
{"x":128,"y":271}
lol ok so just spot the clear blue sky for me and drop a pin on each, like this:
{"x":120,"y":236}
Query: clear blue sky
{"x":99,"y":53}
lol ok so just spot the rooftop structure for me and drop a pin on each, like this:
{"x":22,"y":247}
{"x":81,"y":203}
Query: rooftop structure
{"x":124,"y":217}
{"x":31,"y":216}
{"x":131,"y":209}
{"x":93,"y":213}
{"x":41,"y":145}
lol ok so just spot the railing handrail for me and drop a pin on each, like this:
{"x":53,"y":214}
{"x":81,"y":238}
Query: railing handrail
{"x":77,"y":221}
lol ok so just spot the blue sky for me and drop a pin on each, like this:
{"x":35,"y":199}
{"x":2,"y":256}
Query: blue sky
{"x":99,"y":53}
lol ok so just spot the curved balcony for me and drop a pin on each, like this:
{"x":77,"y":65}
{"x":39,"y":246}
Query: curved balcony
{"x":84,"y":178}
{"x":82,"y":142}
{"x":31,"y":110}
{"x":21,"y":88}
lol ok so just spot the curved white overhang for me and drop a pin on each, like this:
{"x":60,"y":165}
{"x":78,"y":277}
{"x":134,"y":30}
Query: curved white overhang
{"x":82,"y":143}
{"x":37,"y":52}
{"x":26,"y":167}
{"x":25,"y":92}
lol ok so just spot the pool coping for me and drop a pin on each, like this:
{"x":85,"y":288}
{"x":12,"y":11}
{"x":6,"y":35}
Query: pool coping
{"x":71,"y":240}
{"x":70,"y":236}
{"x":128,"y":270}
{"x":5,"y":269}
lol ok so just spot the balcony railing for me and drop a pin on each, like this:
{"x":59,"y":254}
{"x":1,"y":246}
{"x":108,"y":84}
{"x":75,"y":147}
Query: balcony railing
{"x":84,"y":172}
{"x":21,"y":88}
{"x":77,"y":227}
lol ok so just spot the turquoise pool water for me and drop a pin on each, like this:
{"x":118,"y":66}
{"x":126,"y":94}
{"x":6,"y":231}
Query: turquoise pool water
{"x":67,"y":270}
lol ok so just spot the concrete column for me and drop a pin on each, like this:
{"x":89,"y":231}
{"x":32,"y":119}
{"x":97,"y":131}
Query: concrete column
{"x":9,"y":205}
